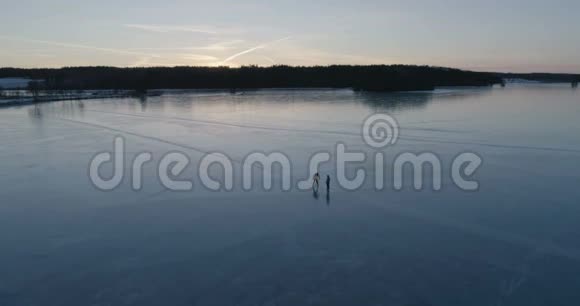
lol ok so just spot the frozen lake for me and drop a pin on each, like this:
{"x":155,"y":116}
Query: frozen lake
{"x":515,"y":241}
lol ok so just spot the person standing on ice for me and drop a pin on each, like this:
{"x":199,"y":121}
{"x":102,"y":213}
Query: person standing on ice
{"x":315,"y":180}
{"x":328,"y":183}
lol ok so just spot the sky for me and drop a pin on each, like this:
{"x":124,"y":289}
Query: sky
{"x":511,"y":35}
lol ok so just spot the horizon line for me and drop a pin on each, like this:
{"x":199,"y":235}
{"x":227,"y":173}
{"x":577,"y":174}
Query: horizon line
{"x":283,"y":65}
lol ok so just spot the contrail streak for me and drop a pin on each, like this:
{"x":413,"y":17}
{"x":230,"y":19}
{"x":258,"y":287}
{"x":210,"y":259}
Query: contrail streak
{"x":262,"y":46}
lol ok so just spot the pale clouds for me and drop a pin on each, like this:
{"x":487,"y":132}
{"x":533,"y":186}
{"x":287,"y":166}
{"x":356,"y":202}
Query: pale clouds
{"x":202,"y":29}
{"x":76,"y":46}
{"x":220,"y":46}
{"x":287,"y":50}
{"x":217,"y":46}
{"x":199,"y":57}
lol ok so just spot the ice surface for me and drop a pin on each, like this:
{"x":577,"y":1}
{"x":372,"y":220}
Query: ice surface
{"x":513,"y":242}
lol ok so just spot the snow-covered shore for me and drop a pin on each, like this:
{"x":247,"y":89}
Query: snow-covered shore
{"x":84,"y":95}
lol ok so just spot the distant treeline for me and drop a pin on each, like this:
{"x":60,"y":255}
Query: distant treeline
{"x":543,"y":77}
{"x":372,"y":78}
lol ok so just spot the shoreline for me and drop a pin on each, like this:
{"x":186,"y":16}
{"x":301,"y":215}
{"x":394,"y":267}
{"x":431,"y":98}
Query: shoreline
{"x":25,"y":101}
{"x":96,"y":94}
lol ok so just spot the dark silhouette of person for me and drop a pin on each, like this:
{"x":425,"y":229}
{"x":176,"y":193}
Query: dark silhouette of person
{"x":328,"y":183}
{"x":315,"y":180}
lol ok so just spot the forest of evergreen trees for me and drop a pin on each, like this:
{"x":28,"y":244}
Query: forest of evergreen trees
{"x":371,"y":78}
